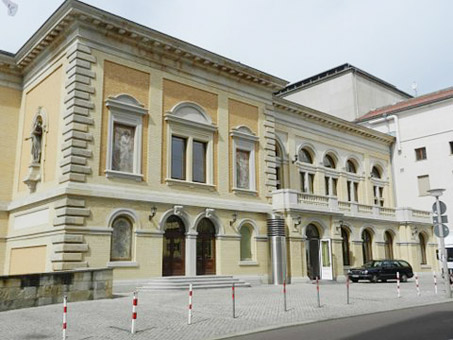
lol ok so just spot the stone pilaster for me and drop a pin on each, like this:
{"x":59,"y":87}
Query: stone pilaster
{"x":77,"y":121}
{"x":270,"y":171}
{"x":68,"y":249}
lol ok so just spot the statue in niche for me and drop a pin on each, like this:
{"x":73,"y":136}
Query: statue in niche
{"x":36,"y":136}
{"x":36,"y":140}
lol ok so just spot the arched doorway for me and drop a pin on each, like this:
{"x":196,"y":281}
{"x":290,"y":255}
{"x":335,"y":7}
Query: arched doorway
{"x":366,"y":246}
{"x":173,"y":263}
{"x":312,"y":251}
{"x":206,"y":247}
{"x":388,"y":240}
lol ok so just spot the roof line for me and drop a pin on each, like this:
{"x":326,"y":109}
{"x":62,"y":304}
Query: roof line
{"x":346,"y":67}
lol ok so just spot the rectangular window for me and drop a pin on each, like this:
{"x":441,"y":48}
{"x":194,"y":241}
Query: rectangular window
{"x":356,"y":192}
{"x":123,"y":148}
{"x":378,"y":195}
{"x":278,"y":176}
{"x":423,"y":185}
{"x":326,"y":184}
{"x":334,"y":186}
{"x":420,"y":154}
{"x":243,"y":169}
{"x":451,"y":147}
{"x":349,"y":191}
{"x":178,"y":158}
{"x":199,"y":162}
{"x":311,"y":183}
{"x":303,"y":185}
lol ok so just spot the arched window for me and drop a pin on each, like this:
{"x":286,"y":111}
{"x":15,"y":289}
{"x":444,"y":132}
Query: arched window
{"x":350,"y":167}
{"x":345,"y":247}
{"x":305,"y":156}
{"x":246,"y":243}
{"x":367,"y":246}
{"x":329,"y":162}
{"x":121,"y":242}
{"x":388,"y":240}
{"x":422,"y":241}
{"x":375,"y":172}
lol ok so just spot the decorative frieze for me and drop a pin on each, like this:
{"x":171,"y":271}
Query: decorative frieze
{"x":77,"y":121}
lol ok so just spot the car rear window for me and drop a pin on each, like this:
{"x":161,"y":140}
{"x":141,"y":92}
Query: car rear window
{"x":404,"y":263}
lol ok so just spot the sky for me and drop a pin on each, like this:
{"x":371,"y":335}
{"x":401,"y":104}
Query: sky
{"x":399,"y":41}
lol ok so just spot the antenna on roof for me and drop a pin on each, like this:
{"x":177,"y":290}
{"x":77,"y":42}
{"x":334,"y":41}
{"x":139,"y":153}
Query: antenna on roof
{"x":414,"y":88}
{"x":12,"y":7}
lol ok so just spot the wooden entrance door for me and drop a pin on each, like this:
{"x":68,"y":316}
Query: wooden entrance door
{"x":312,"y":251}
{"x":206,"y":248}
{"x":174,"y":248}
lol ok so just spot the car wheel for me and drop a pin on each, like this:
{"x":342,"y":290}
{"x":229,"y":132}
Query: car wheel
{"x":374,"y":278}
{"x":355,"y":280}
{"x":384,"y":280}
{"x":404,"y":278}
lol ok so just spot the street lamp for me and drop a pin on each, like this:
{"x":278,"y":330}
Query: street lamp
{"x":443,"y":253}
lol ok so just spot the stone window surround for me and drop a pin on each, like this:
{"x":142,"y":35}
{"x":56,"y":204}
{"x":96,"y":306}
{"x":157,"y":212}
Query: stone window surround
{"x":191,"y":129}
{"x":125,"y":110}
{"x":244,"y":139}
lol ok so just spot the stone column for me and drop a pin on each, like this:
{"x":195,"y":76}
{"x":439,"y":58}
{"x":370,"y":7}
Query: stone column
{"x":191,"y":254}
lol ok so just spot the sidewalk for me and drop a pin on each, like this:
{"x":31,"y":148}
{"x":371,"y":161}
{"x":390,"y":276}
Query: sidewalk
{"x":163,"y":315}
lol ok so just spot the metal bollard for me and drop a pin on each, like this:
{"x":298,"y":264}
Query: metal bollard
{"x":189,"y":321}
{"x":317,"y":289}
{"x":234,"y":302}
{"x":134,"y":312}
{"x":398,"y":284}
{"x":347,"y":290}
{"x":65,"y":310}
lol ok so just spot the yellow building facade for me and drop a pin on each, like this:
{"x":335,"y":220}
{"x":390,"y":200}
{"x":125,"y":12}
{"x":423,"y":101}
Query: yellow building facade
{"x":130,"y":149}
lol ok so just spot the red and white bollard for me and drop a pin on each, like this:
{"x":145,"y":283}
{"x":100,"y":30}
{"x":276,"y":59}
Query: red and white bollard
{"x":284,"y":295}
{"x":317,"y":290}
{"x":417,"y":285}
{"x":134,"y":312}
{"x":435,"y":282}
{"x":189,"y":320}
{"x":65,"y":310}
{"x":234,"y":301}
{"x":398,"y":290}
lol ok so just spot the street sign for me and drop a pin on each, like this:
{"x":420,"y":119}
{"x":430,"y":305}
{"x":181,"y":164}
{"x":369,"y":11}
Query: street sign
{"x":445,"y":230}
{"x":443,"y":219}
{"x":443,"y":208}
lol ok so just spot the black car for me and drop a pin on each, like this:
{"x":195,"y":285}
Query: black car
{"x":381,"y":270}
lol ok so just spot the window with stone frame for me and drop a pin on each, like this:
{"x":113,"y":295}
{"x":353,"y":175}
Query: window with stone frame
{"x":420,"y":154}
{"x":244,"y":172}
{"x":124,"y":137}
{"x":246,"y":243}
{"x":121,"y":239}
{"x":190,"y":157}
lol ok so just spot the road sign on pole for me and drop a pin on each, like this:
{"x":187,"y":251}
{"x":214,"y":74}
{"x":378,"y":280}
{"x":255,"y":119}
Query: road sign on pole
{"x":444,"y":233}
{"x":442,"y":207}
{"x":443,"y":219}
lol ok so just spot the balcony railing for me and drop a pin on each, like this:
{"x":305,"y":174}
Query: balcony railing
{"x":287,"y":199}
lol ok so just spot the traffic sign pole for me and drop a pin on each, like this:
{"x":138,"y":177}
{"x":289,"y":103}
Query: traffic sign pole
{"x":443,"y":251}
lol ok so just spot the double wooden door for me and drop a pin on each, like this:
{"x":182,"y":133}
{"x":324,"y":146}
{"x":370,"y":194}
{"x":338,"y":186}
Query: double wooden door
{"x":206,"y":248}
{"x":174,"y":248}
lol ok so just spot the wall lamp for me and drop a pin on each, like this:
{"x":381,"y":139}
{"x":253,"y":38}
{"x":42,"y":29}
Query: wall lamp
{"x":234,"y":217}
{"x":295,"y":159}
{"x":152,"y":212}
{"x":297,"y":221}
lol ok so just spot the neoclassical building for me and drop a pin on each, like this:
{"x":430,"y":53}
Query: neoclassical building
{"x":127,"y":148}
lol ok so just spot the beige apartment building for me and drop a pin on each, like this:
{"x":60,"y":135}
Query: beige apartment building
{"x":123,"y":147}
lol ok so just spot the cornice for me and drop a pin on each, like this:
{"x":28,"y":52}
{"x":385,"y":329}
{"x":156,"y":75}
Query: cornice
{"x":73,"y":12}
{"x":331,"y":121}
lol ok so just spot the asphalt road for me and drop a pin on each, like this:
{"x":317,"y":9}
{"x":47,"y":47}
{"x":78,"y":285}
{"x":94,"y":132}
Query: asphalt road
{"x":434,"y":322}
